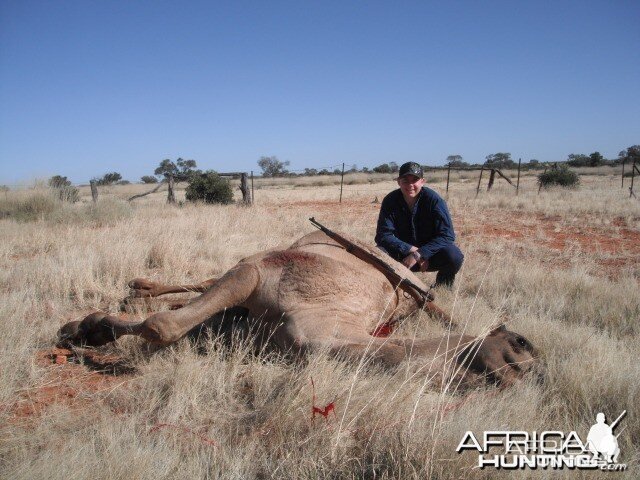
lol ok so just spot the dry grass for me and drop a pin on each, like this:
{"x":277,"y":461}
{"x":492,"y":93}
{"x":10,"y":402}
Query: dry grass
{"x":231,"y":413}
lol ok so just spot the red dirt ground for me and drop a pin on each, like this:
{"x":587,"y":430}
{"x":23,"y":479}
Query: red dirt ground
{"x":71,"y":383}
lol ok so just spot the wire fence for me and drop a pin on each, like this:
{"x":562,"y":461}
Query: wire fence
{"x":356,"y":181}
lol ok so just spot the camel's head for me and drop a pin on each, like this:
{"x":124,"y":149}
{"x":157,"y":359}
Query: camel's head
{"x":502,"y":356}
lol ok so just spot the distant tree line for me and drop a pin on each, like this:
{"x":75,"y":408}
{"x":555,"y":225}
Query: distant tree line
{"x":272,"y":167}
{"x":185,"y":170}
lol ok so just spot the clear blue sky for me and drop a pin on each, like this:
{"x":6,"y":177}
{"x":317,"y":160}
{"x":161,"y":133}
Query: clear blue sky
{"x":88,"y":87}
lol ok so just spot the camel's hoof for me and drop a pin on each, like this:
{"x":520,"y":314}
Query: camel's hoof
{"x":67,"y":333}
{"x":139,"y":293}
{"x":92,"y":331}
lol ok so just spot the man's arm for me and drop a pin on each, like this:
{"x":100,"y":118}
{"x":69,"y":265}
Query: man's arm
{"x":443,"y":230}
{"x":386,"y":233}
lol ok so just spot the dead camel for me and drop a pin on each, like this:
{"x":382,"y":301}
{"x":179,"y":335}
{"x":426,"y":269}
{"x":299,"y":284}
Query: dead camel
{"x":316,"y":296}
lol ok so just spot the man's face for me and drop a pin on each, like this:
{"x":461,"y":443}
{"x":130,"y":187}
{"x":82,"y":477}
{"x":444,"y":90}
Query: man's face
{"x":410,"y":185}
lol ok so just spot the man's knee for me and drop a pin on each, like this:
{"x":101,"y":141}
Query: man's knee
{"x":452,"y":257}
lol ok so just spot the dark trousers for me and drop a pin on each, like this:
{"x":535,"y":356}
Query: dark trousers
{"x":446,"y":261}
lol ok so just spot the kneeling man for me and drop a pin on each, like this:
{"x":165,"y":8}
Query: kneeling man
{"x":415,"y":227}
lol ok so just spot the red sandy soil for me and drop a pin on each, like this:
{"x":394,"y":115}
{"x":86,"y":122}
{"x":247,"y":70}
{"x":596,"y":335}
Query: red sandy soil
{"x":68,"y":382}
{"x":73,"y":382}
{"x":612,"y":247}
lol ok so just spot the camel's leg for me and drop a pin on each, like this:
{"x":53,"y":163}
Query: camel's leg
{"x":167,"y":327}
{"x":143,"y":288}
{"x":150,"y":304}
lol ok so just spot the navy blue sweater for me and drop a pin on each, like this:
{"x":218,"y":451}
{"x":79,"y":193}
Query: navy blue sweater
{"x":428,"y":226}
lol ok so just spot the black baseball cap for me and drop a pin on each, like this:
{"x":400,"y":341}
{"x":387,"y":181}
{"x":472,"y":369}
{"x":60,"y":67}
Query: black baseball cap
{"x":410,"y":168}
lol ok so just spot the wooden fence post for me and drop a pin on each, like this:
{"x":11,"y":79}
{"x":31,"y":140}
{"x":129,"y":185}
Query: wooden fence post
{"x":341,"y":181}
{"x":479,"y":180}
{"x":540,"y":186}
{"x":623,"y":162}
{"x":244,"y":188}
{"x":492,"y":178}
{"x":253,"y":196}
{"x":94,"y":191}
{"x":518,"y":181}
{"x":171,"y":197}
{"x":448,"y":175}
{"x":633,"y":175}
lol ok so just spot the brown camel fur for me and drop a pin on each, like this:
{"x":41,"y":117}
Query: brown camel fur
{"x":317,"y":296}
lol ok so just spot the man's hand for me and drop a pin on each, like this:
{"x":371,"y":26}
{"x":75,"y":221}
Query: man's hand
{"x":410,"y":260}
{"x":423,"y":263}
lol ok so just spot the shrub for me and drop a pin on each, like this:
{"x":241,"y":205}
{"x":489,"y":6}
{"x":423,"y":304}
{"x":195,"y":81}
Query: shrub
{"x":148,"y":179}
{"x":209,"y":187}
{"x":561,"y":176}
{"x":63,"y":189}
{"x":68,"y":193}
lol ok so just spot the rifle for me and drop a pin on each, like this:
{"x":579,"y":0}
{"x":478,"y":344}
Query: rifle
{"x":419,"y":294}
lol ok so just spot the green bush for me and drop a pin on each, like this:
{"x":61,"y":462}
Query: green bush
{"x":561,"y":176}
{"x":209,"y":187}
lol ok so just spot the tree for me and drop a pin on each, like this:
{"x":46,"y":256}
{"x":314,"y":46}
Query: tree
{"x":596,"y":159}
{"x":630,"y":154}
{"x":394,"y":167}
{"x":166,"y":168}
{"x":58,"y":181}
{"x":182,"y":170}
{"x":384,"y":168}
{"x":578,"y":160}
{"x":456,"y":161}
{"x":108,"y":178}
{"x":310,"y":172}
{"x":148,"y":179}
{"x":272,"y":167}
{"x":499,"y":160}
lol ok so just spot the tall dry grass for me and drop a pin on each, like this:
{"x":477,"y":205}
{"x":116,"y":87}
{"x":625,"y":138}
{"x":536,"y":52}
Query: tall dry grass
{"x":256,"y":407}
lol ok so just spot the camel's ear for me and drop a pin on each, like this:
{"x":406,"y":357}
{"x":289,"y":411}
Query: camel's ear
{"x":498,"y":329}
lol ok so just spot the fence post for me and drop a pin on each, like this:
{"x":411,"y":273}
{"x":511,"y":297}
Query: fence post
{"x":623,"y":162}
{"x":492,"y":178}
{"x":479,"y":180}
{"x":244,"y":188}
{"x":171,"y":197}
{"x":253,"y":198}
{"x":341,"y":181}
{"x":540,"y":186}
{"x":633,"y":174}
{"x":518,"y":181}
{"x":448,"y":175}
{"x":94,"y":191}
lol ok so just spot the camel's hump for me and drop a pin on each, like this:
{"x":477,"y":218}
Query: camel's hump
{"x":319,"y":237}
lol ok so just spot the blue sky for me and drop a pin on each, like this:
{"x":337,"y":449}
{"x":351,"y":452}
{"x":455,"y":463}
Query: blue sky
{"x":89,"y":87}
